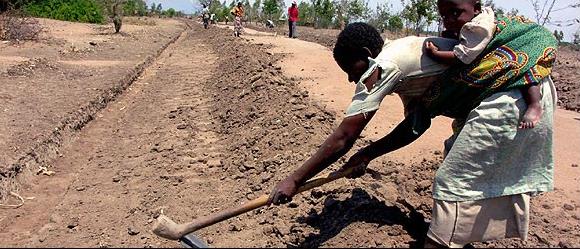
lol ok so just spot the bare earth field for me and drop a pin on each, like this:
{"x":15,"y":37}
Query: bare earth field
{"x":190,"y":121}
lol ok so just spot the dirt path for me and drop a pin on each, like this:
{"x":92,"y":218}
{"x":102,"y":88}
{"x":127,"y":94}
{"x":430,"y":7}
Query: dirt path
{"x":124,"y":163}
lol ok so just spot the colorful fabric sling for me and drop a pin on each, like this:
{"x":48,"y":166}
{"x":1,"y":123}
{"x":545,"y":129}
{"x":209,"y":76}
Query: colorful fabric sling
{"x":520,"y":54}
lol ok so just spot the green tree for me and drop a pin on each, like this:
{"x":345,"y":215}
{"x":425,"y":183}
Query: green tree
{"x":169,"y":12}
{"x":248,"y":10}
{"x":419,"y":14}
{"x":256,"y":9}
{"x":341,"y":10}
{"x":153,"y":8}
{"x":322,"y":12}
{"x":224,"y":13}
{"x":270,"y":8}
{"x":134,"y":8}
{"x":305,"y":14}
{"x":159,"y":8}
{"x":380,"y":17}
{"x":357,"y":10}
{"x":66,"y":10}
{"x":395,"y":23}
{"x":282,"y":10}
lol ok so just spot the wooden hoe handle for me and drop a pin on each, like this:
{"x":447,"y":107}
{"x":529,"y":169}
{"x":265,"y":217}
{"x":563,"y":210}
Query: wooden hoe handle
{"x":168,"y":229}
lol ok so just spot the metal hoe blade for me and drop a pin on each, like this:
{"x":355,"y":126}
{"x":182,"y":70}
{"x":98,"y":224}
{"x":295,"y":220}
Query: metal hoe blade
{"x":192,"y":241}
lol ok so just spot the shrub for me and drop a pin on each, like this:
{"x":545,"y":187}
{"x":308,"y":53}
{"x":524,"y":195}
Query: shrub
{"x":16,"y":27}
{"x":66,"y":10}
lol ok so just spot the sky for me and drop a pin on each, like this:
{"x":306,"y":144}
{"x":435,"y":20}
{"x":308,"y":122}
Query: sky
{"x":524,"y":6}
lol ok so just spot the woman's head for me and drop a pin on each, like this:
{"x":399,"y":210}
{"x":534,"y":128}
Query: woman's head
{"x":354,"y":45}
{"x":456,"y":13}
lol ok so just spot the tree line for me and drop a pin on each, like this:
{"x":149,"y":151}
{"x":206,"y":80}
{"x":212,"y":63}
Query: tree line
{"x":91,"y":11}
{"x":319,"y":13}
{"x":415,"y":17}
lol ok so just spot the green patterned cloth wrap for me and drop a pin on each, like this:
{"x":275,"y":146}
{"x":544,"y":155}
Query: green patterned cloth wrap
{"x":520,"y":54}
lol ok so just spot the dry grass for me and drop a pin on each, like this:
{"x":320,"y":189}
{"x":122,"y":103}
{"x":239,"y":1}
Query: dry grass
{"x":14,"y":26}
{"x":140,"y":21}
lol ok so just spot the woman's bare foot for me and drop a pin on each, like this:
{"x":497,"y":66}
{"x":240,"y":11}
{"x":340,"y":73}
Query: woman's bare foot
{"x":532,"y":116}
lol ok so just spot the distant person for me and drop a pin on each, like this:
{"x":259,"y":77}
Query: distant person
{"x":270,"y":24}
{"x":238,"y":13}
{"x":474,"y":27}
{"x":292,"y":19}
{"x":205,"y":15}
{"x":482,"y":189}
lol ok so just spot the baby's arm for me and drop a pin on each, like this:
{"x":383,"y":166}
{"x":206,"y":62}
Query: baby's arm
{"x":445,"y":57}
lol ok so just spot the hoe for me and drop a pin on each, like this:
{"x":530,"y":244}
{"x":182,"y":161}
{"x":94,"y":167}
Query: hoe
{"x":167,"y":228}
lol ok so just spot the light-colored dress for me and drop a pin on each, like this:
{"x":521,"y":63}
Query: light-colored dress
{"x":405,"y":69}
{"x":491,"y":157}
{"x":475,"y":35}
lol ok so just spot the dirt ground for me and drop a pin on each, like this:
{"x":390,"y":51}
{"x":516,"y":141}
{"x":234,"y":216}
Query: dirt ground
{"x":196,"y":121}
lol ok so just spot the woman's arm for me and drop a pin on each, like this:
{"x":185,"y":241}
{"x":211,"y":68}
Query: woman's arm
{"x":334,"y":147}
{"x":411,"y":128}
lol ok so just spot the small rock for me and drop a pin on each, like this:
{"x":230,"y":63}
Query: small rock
{"x":214,"y":163}
{"x":209,"y":240}
{"x":72,"y":224}
{"x":249,"y":166}
{"x":92,"y":43}
{"x":292,"y":205}
{"x":82,"y":188}
{"x":132,"y":231}
{"x":425,"y":184}
{"x":574,"y":165}
{"x":181,"y":126}
{"x":268,"y":230}
{"x":547,"y":206}
{"x":569,"y":207}
{"x":234,"y":228}
{"x":317,"y":194}
{"x":565,"y":244}
{"x":116,"y":178}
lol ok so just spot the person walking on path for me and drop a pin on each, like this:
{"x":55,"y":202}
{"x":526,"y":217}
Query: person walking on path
{"x":292,"y":19}
{"x":238,"y":13}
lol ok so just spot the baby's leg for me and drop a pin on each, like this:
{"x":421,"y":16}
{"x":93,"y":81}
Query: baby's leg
{"x":533,"y":99}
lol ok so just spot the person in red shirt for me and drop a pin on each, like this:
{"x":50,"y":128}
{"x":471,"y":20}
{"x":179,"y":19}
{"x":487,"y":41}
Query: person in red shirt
{"x":292,"y":19}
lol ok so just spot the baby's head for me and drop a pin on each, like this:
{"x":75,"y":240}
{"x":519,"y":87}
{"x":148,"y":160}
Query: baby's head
{"x":456,"y":13}
{"x":354,"y":45}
